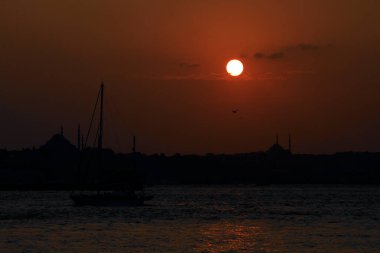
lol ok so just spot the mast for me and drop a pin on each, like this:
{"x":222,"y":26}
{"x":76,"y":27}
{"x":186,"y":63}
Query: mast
{"x":100,"y":141}
{"x":100,"y":137}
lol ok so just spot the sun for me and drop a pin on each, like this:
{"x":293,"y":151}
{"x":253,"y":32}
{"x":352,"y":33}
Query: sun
{"x":235,"y":67}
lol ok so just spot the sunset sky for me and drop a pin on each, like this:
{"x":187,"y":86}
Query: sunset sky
{"x":312,"y":69}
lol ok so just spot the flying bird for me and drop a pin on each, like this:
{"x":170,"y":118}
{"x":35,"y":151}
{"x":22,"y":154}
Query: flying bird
{"x":235,"y":111}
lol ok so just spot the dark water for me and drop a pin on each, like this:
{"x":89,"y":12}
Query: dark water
{"x":198,"y":219}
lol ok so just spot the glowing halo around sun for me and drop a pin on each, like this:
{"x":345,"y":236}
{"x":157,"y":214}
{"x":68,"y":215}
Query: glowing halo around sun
{"x":234,"y":67}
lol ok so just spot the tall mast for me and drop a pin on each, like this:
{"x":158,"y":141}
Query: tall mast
{"x":100,"y":141}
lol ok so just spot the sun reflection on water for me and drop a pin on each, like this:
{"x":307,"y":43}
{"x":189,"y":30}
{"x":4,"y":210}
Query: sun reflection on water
{"x":231,"y":237}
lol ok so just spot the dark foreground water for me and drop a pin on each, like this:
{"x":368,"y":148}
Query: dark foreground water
{"x":198,"y":219}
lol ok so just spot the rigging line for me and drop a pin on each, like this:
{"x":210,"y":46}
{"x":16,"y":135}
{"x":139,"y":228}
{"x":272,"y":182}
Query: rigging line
{"x":92,"y":119}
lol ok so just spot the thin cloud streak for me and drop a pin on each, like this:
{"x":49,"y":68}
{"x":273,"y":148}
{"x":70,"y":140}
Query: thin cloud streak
{"x":280,"y":54}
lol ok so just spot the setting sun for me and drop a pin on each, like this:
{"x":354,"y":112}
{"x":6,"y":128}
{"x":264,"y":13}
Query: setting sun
{"x":234,"y":67}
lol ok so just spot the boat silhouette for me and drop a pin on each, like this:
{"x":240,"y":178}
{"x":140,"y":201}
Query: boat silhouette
{"x":120,"y":195}
{"x":112,"y":198}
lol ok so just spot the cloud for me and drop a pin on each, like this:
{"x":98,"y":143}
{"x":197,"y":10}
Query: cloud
{"x":185,"y":71}
{"x":204,"y":77}
{"x":276,"y":55}
{"x":259,"y":56}
{"x":270,"y":76}
{"x":308,"y":47}
{"x":300,"y":48}
{"x":184,"y":65}
{"x":244,"y":55}
{"x":271,"y":56}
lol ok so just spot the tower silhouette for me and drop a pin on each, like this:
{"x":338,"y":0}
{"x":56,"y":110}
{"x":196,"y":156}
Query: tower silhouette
{"x":134,"y":144}
{"x":78,"y":136}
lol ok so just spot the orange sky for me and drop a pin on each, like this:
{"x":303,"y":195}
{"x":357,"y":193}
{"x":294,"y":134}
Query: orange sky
{"x":311,"y":69}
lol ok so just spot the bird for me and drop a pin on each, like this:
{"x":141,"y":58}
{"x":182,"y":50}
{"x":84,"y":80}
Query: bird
{"x":235,"y":111}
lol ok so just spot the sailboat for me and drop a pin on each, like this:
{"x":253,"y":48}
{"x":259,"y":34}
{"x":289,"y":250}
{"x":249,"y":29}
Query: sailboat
{"x":119,"y":197}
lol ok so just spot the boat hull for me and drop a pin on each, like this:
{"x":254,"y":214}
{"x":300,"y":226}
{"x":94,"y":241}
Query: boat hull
{"x":109,"y":199}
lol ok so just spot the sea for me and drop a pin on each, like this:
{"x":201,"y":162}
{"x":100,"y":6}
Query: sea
{"x":201,"y":219}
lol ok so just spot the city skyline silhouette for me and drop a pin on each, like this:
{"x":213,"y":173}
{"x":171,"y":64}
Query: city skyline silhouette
{"x":309,"y":69}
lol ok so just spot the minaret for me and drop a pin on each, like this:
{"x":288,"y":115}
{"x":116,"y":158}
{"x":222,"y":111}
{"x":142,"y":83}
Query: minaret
{"x":79,"y":146}
{"x":277,"y":139}
{"x":61,"y":130}
{"x":134,"y":144}
{"x":134,"y":152}
{"x":290,"y":143}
